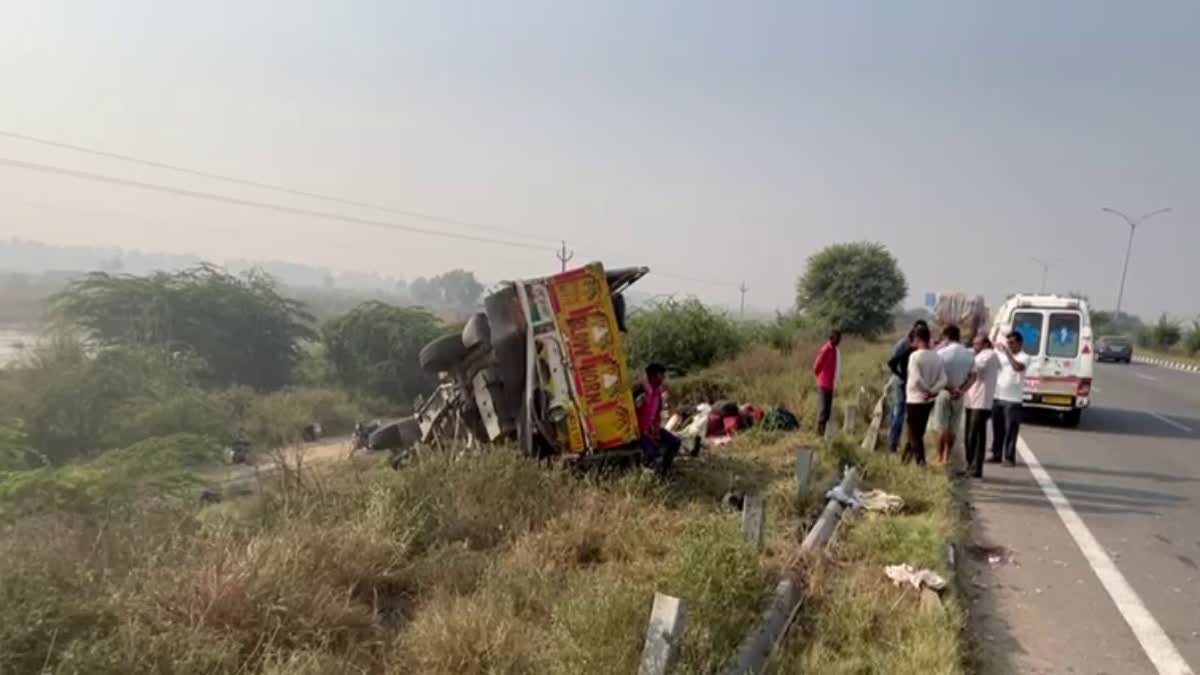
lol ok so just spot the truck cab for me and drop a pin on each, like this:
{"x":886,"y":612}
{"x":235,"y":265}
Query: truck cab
{"x":1057,"y":334}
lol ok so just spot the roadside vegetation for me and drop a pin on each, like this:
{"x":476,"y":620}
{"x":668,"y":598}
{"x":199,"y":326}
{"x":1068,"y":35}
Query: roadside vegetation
{"x":463,"y":562}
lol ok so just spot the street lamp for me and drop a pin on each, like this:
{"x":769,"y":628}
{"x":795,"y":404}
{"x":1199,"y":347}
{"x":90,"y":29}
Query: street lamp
{"x":1045,"y":270}
{"x":1133,"y":223}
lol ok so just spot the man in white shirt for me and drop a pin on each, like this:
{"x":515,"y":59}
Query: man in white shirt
{"x":978,"y":399}
{"x":958,"y":362}
{"x":1010,"y":393}
{"x":926,"y":377}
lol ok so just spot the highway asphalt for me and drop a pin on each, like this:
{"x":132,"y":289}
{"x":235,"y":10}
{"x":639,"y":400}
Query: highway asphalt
{"x":1095,"y":568}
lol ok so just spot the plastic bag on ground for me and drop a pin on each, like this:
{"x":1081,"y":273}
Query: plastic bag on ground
{"x":905,"y":574}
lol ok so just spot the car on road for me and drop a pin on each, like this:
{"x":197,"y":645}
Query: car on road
{"x":1115,"y":348}
{"x":1057,"y":332}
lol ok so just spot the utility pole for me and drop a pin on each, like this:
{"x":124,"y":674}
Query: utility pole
{"x":744,"y":290}
{"x":1045,"y":270}
{"x":564,"y":256}
{"x":1132,"y":223}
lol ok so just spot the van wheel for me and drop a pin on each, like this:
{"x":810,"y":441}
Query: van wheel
{"x":1071,"y":418}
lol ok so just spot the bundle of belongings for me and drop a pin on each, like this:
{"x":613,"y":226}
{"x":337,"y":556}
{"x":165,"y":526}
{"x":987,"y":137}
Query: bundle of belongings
{"x":718,"y":423}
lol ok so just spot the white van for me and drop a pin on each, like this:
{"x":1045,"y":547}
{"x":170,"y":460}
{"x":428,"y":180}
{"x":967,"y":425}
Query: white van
{"x":1057,"y":334}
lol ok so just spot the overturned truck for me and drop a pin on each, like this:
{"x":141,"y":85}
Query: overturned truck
{"x":542,"y":366}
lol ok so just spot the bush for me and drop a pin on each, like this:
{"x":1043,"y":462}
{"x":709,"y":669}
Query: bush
{"x":156,"y":468}
{"x":683,"y":336}
{"x":784,"y":332}
{"x":1191,"y":343}
{"x":1163,"y":335}
{"x":278,"y":419}
{"x":73,"y":404}
{"x":374,"y":347}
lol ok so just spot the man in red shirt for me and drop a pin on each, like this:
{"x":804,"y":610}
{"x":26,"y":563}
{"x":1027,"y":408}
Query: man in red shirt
{"x":659,"y":446}
{"x":826,"y":369}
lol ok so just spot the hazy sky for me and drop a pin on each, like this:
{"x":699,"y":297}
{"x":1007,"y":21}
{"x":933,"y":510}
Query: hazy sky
{"x":710,"y":140}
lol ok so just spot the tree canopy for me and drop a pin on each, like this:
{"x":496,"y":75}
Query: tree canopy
{"x":854,"y":287}
{"x":456,"y":288}
{"x":243,"y":330}
{"x":373,"y":348}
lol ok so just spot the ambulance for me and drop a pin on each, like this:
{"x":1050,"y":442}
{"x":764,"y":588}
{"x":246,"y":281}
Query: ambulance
{"x":1057,"y":334}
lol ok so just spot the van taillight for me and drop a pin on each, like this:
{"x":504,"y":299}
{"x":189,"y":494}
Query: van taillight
{"x":1087,"y":348}
{"x":1085,"y":387}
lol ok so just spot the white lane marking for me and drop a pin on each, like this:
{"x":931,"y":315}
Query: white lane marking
{"x":1158,"y":647}
{"x":1146,"y":377}
{"x":1170,"y":421}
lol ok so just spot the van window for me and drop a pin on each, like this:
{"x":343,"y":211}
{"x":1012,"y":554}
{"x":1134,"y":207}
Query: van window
{"x":1063,"y":335}
{"x":1029,"y":325}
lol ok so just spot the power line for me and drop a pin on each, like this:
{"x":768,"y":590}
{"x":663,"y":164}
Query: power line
{"x":312,"y":195}
{"x":237,"y":201}
{"x":265,"y":186}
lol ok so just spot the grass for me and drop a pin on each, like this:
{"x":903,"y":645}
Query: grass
{"x":480,"y":563}
{"x":854,"y":620}
{"x":1178,"y":355}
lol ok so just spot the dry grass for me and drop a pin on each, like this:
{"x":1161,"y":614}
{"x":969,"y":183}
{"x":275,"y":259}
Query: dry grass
{"x":487,"y":563}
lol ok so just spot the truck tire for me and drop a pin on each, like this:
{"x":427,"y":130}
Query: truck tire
{"x":442,"y":354}
{"x":477,"y":332}
{"x":397,"y":435}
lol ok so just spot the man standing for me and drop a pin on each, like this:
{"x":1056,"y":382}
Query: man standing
{"x":979,"y":399}
{"x":1010,"y":393}
{"x":898,"y":364}
{"x":826,"y":367}
{"x":659,"y":446}
{"x":926,"y":377}
{"x":958,"y":362}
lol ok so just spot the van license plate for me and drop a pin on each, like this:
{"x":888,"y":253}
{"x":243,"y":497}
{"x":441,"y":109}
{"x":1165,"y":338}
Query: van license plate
{"x":1057,"y":400}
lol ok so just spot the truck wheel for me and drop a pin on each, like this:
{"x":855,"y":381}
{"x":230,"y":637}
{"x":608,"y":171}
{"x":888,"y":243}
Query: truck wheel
{"x":398,"y":435}
{"x":478,"y":331}
{"x":1071,"y":418}
{"x":442,"y":354}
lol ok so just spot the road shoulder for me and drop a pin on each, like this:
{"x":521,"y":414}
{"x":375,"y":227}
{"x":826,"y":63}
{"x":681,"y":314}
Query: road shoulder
{"x":1035,"y":605}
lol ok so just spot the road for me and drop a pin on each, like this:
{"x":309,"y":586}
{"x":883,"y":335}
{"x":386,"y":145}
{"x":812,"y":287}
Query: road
{"x":240,"y":477}
{"x":1099,"y":570}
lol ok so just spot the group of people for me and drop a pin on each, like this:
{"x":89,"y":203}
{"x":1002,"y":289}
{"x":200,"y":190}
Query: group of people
{"x":936,"y":382}
{"x":941,"y":381}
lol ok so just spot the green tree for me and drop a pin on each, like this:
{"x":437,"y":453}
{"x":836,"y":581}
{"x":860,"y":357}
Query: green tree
{"x":1191,"y":342}
{"x":373,"y":348}
{"x":73,"y":404}
{"x":683,"y":336}
{"x":852,"y":286}
{"x":1105,"y":322}
{"x":244,"y":331}
{"x":1164,"y":334}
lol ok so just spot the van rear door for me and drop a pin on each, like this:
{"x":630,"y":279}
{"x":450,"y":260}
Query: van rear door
{"x":1063,"y":365}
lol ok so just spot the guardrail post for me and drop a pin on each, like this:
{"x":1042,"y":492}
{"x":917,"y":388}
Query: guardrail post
{"x":804,"y":457}
{"x":668,"y":618}
{"x":753,"y":517}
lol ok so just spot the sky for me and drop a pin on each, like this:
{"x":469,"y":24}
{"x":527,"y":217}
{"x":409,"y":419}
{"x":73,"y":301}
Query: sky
{"x":715,"y":142}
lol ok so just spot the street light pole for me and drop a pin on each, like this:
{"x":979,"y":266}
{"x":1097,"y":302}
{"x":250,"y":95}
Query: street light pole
{"x":1132,"y":223}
